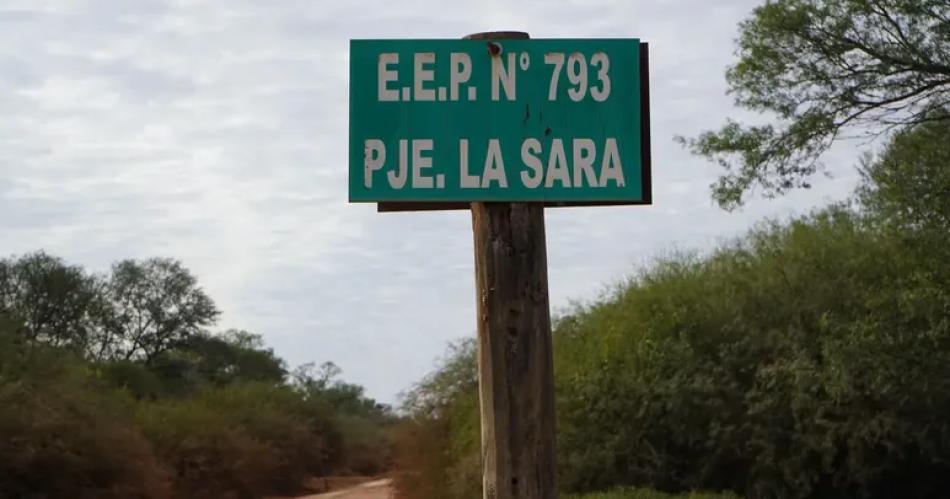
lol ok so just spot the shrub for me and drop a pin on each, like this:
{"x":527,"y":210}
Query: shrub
{"x":810,"y":360}
{"x":651,"y":494}
{"x":63,"y":437}
{"x":242,"y":441}
{"x":365,"y":445}
{"x":438,"y":447}
{"x":134,"y":378}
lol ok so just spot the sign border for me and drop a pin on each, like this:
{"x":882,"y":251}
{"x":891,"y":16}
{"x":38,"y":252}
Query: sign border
{"x":646,"y":166}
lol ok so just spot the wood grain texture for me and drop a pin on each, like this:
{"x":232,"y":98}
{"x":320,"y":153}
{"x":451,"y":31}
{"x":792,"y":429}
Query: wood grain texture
{"x":515,"y":361}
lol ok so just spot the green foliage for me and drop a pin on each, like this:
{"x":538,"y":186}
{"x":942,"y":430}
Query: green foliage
{"x":156,"y":305}
{"x":808,"y":360}
{"x":439,"y":444}
{"x":651,"y":494}
{"x":907,"y":187}
{"x":367,"y":448}
{"x":457,"y":375}
{"x":201,"y":361}
{"x":53,"y":303}
{"x":823,"y":67}
{"x":62,"y":437}
{"x":140,"y":311}
{"x":137,"y":380}
{"x":219,"y":360}
{"x":245,"y":440}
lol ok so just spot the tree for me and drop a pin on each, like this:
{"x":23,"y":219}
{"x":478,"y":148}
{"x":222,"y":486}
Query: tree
{"x":250,"y":359}
{"x":234,"y":356}
{"x":53,"y":302}
{"x":906,"y":190}
{"x":456,"y":376}
{"x":156,"y":304}
{"x":200,"y":361}
{"x":908,"y":185}
{"x":826,"y":68}
{"x":323,"y":384}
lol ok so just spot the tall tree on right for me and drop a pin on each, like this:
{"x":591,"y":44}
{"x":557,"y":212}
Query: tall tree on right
{"x":907,"y":190}
{"x":825,"y":70}
{"x":908,"y":185}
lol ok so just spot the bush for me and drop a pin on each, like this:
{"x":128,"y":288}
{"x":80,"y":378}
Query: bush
{"x":809,"y":360}
{"x":440,"y":457}
{"x":365,"y":445}
{"x":62,"y":437}
{"x":651,"y":494}
{"x":438,"y":447}
{"x":134,"y":378}
{"x":243,"y":441}
{"x":422,"y":459}
{"x":72,"y":429}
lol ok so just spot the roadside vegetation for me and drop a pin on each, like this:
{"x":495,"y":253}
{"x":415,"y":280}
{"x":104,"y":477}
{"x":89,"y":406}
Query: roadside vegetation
{"x":809,"y":358}
{"x":112,"y":386}
{"x":651,"y":494}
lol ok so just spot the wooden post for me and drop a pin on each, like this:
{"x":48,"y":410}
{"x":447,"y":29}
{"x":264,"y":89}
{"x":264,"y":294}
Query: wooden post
{"x":515,"y":359}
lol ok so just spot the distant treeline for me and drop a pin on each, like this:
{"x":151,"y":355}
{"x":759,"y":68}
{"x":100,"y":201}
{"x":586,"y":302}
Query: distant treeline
{"x":112,"y":386}
{"x":808,"y":359}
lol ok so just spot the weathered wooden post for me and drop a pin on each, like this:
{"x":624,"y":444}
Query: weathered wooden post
{"x":515,"y":358}
{"x":516,"y":380}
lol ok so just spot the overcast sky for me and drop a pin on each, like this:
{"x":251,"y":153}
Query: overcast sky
{"x":215,"y":132}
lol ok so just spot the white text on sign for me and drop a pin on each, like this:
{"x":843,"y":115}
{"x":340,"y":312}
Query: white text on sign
{"x":586,"y":77}
{"x":577,"y":163}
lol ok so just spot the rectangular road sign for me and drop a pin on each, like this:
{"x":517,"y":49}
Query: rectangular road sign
{"x":554,"y":121}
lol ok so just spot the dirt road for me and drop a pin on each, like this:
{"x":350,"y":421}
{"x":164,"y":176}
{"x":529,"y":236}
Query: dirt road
{"x":380,"y":489}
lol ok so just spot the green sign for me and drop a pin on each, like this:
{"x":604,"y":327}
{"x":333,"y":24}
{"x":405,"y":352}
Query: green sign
{"x":555,"y":121}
